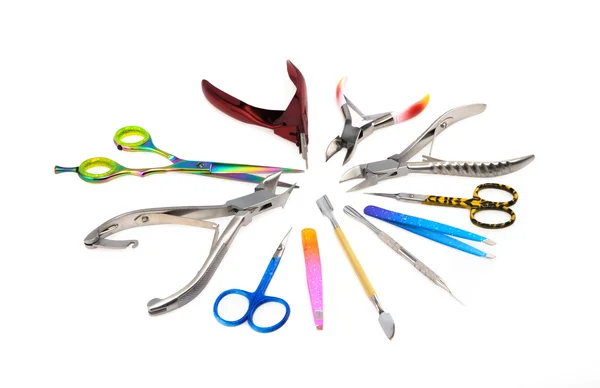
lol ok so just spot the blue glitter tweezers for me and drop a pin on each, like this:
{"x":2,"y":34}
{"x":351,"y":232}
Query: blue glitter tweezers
{"x":432,"y":230}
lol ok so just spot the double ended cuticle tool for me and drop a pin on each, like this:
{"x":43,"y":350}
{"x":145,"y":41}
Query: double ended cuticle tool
{"x":385,"y":319}
{"x":399,"y":249}
{"x":398,"y":165}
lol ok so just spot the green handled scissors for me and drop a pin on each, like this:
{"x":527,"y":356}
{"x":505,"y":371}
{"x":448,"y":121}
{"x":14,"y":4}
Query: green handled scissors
{"x":240,"y":172}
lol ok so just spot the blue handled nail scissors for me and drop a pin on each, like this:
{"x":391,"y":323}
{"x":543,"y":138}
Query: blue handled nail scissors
{"x":258,"y":297}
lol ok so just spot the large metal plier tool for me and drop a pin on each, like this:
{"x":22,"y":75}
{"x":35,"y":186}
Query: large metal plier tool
{"x":398,"y":165}
{"x":243,"y":209}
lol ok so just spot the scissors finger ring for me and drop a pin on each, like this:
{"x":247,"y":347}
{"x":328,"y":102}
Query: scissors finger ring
{"x":258,"y":297}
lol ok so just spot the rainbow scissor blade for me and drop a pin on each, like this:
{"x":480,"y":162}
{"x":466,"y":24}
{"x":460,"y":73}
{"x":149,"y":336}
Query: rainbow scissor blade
{"x":314,"y":277}
{"x":249,"y":178}
{"x":218,"y":168}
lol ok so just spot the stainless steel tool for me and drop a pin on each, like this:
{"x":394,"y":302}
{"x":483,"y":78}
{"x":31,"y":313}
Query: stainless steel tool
{"x":398,"y":165}
{"x":352,"y":134}
{"x":243,"y":209}
{"x":399,"y":249}
{"x":385,"y":319}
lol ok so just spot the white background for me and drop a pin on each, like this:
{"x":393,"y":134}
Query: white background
{"x":71,"y":74}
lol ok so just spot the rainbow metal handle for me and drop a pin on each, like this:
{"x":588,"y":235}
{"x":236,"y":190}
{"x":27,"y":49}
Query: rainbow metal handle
{"x":313,"y":274}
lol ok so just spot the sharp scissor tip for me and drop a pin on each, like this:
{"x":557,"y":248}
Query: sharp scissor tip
{"x":286,"y":237}
{"x":489,"y":242}
{"x":385,"y":195}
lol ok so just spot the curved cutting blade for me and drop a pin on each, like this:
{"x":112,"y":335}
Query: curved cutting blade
{"x":349,"y":153}
{"x":370,"y":180}
{"x":334,"y":147}
{"x":353,"y":173}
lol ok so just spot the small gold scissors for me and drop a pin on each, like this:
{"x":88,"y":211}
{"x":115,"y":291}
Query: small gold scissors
{"x":475,"y":204}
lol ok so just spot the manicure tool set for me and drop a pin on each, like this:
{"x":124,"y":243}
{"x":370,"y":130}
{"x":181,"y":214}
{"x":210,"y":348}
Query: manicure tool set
{"x":292,"y":125}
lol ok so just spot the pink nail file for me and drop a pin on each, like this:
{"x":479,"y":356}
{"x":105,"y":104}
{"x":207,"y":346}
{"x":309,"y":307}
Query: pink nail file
{"x":313,"y":274}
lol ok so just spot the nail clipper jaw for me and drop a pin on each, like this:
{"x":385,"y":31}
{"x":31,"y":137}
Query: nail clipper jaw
{"x":374,"y":172}
{"x":334,"y":147}
{"x":262,"y":200}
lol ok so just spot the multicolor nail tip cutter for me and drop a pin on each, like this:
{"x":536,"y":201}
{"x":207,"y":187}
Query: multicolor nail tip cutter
{"x":291,"y":123}
{"x":243,"y":209}
{"x":432,"y":230}
{"x":353,"y":135}
{"x":238,"y":172}
{"x":398,"y":165}
{"x":314,"y":278}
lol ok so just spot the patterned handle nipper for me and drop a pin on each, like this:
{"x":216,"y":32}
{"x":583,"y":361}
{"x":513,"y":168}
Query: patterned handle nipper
{"x":473,"y":169}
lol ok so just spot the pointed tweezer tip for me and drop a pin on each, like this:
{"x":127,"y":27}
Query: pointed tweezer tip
{"x":490,"y":256}
{"x":458,"y":300}
{"x":489,"y":242}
